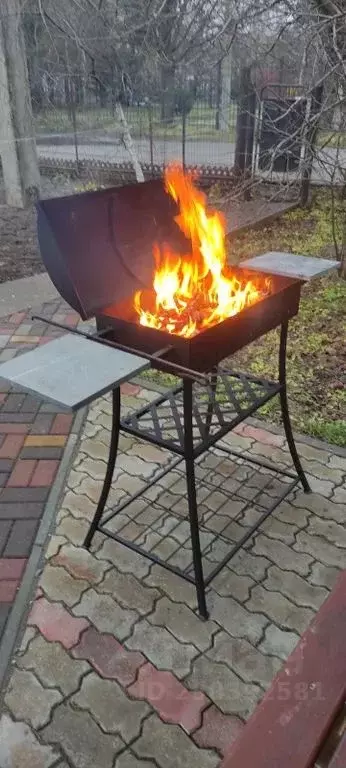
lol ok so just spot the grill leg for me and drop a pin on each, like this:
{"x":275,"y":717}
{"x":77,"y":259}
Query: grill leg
{"x":212,"y":393}
{"x":113,"y":449}
{"x":284,"y":409}
{"x":192,"y":500}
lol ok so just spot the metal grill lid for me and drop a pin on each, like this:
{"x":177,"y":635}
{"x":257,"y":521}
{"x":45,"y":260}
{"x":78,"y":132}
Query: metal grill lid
{"x":98,"y":246}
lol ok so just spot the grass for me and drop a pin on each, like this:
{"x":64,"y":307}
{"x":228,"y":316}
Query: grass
{"x":316,"y":361}
{"x":200,"y":123}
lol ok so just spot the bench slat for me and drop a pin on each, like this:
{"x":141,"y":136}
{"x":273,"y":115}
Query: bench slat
{"x":290,"y":724}
{"x":339,"y":758}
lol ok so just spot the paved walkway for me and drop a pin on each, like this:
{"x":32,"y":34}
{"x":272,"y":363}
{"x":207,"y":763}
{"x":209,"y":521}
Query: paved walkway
{"x":115,"y":670}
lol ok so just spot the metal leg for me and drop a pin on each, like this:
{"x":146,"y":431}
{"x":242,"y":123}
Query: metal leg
{"x":285,"y":411}
{"x":210,"y":408}
{"x":113,"y":449}
{"x":192,"y":500}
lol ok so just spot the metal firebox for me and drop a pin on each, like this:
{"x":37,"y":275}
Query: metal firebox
{"x":98,"y":248}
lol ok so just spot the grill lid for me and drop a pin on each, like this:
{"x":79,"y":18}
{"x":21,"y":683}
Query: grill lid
{"x":98,"y":246}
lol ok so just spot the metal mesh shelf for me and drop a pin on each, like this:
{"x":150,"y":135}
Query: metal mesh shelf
{"x":217,"y":408}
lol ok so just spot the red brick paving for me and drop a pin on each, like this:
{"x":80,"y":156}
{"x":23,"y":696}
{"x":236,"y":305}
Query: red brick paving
{"x":172,"y":701}
{"x":28,"y":466}
{"x":218,"y":731}
{"x":56,"y":623}
{"x":108,"y":657}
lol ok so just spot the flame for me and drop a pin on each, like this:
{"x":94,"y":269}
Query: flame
{"x":197,"y":290}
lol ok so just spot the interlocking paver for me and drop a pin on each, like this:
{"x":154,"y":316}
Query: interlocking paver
{"x":333,"y":532}
{"x":185,"y":625}
{"x":56,"y":623}
{"x":324,"y":575}
{"x":85,"y":745}
{"x":238,"y":621}
{"x":172,"y":701}
{"x":170,"y":747}
{"x":229,"y":583}
{"x":278,"y":552}
{"x":124,"y":559}
{"x":279,"y":609}
{"x":128,"y":591}
{"x":108,"y":657}
{"x":19,"y":747}
{"x":172,"y":585}
{"x":29,"y":700}
{"x":110,"y":707}
{"x":218,"y":731}
{"x":248,"y":564}
{"x":129,"y":760}
{"x":57,"y":584}
{"x":80,"y":563}
{"x":161,"y":648}
{"x":244,"y":659}
{"x":223,"y":687}
{"x":278,"y":642}
{"x":297,"y":589}
{"x":78,"y":505}
{"x":106,"y":614}
{"x":53,"y":666}
{"x":320,"y":549}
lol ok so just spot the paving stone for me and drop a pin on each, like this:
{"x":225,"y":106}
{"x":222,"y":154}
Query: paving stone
{"x":244,"y":659}
{"x":325,"y":472}
{"x":19,"y":747}
{"x":85,"y":745}
{"x":238,"y":621}
{"x":278,"y":552}
{"x":56,"y":623}
{"x":129,"y":760}
{"x":324,"y":487}
{"x":108,"y":657}
{"x":279,"y":609}
{"x":172,"y":701}
{"x":172,"y":585}
{"x":339,"y":496}
{"x":54,"y":544}
{"x":320,"y":549}
{"x":295,"y":588}
{"x":124,"y":559}
{"x":324,"y":575}
{"x":161,"y":648}
{"x":218,"y":731}
{"x":170,"y":747}
{"x":312,"y":454}
{"x":276,"y":529}
{"x":150,"y":453}
{"x":337,"y":462}
{"x":320,"y":506}
{"x":278,"y":642}
{"x":22,"y":535}
{"x":44,"y":472}
{"x":110,"y":707}
{"x":80,"y":563}
{"x":53,"y":666}
{"x":223,"y":687}
{"x":292,"y":515}
{"x":57,"y":584}
{"x":8,"y":590}
{"x":106,"y":614}
{"x":29,"y":634}
{"x":129,"y":592}
{"x":96,"y":449}
{"x":78,"y":505}
{"x":333,"y":532}
{"x":229,"y":584}
{"x":247,"y":564}
{"x":185,"y":625}
{"x":28,"y":700}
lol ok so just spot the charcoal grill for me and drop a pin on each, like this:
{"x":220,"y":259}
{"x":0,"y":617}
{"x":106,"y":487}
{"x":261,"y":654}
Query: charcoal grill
{"x":97,"y":248}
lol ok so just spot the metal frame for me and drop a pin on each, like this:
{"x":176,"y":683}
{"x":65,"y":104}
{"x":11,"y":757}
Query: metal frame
{"x":213,"y":428}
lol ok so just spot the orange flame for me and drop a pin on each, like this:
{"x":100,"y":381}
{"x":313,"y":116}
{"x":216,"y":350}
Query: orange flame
{"x":196,"y":290}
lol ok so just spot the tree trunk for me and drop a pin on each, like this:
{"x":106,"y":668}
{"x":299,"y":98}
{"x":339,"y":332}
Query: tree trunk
{"x":226,"y":74}
{"x":167,"y":92}
{"x":218,"y":95}
{"x":18,"y":152}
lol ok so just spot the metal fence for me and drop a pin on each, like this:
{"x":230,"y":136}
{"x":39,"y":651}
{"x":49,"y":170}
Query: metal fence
{"x":202,"y":135}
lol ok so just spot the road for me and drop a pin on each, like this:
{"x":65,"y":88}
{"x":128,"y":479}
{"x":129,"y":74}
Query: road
{"x":196,"y":153}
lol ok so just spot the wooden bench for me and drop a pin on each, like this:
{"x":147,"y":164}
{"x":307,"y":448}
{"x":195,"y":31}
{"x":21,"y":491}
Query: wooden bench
{"x":295,"y":718}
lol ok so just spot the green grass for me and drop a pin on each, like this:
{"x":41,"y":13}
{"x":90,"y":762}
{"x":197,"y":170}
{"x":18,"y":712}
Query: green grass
{"x":200,"y":123}
{"x":316,"y":344}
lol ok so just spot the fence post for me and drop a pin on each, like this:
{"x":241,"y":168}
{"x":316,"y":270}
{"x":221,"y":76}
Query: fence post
{"x":74,"y":123}
{"x":250,"y":131}
{"x":150,"y":117}
{"x":310,"y":139}
{"x":241,"y":127}
{"x":183,"y":137}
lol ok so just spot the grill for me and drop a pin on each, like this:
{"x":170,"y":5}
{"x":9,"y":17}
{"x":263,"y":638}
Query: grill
{"x":97,"y":248}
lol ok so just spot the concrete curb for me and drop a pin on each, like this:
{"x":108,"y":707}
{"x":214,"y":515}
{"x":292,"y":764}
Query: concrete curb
{"x":15,"y":625}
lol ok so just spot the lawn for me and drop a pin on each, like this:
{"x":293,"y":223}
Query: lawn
{"x":316,"y":365}
{"x":200,"y":122}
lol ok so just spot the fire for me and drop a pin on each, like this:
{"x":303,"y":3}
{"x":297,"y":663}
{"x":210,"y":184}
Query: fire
{"x":197,"y":290}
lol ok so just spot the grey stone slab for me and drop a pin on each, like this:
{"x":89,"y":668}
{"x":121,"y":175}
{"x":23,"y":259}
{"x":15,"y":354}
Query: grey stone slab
{"x":72,"y":370}
{"x":290,"y":265}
